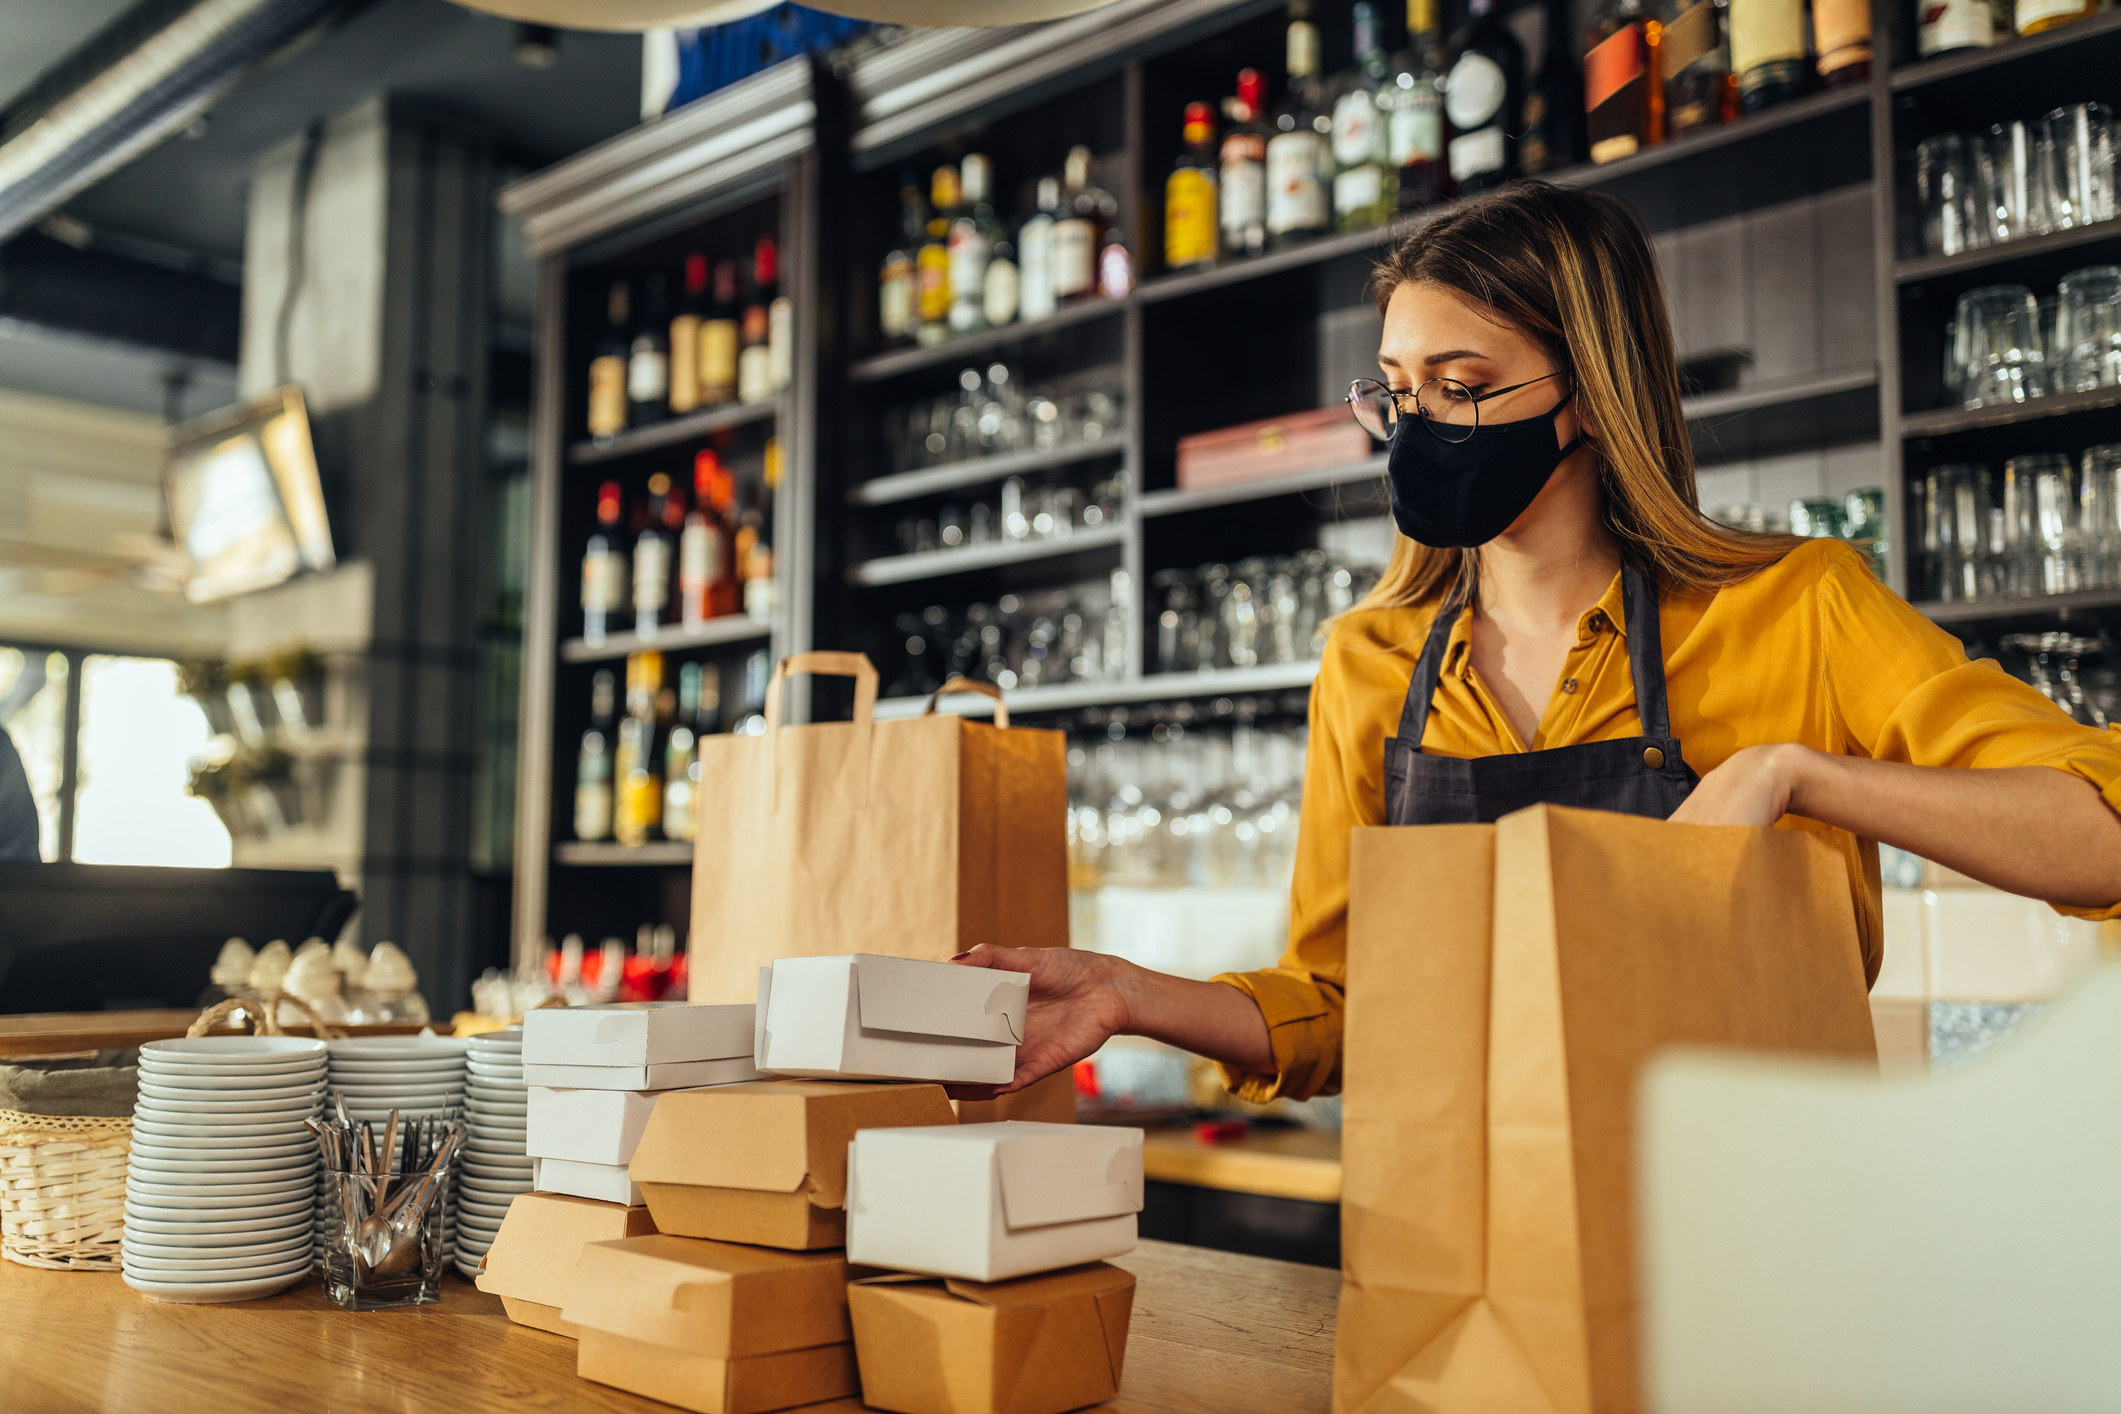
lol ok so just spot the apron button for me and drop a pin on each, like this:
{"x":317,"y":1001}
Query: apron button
{"x":1653,"y":758}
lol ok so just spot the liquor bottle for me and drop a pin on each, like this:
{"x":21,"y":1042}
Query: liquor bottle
{"x":724,"y":592}
{"x":685,"y":337}
{"x":607,"y":370}
{"x":680,"y":752}
{"x":1944,"y":26}
{"x":707,"y":717}
{"x":1767,"y":51}
{"x":1697,"y":68}
{"x":1034,"y":253}
{"x":780,"y":319}
{"x":1003,"y":289}
{"x":1191,"y":234}
{"x":932,"y":265}
{"x":1364,"y":177}
{"x":699,"y":545}
{"x":639,"y":810}
{"x":1414,"y":112}
{"x":651,"y":560}
{"x":1115,"y":264}
{"x":1299,"y":159}
{"x":971,"y":246}
{"x":1079,"y":233}
{"x":758,"y":673}
{"x":1484,"y":90}
{"x":648,"y":361}
{"x":754,"y":541}
{"x":1623,"y":92}
{"x":604,"y":577}
{"x":897,"y":287}
{"x":2037,"y":16}
{"x":592,"y":777}
{"x":1551,"y":135}
{"x":754,"y":358}
{"x":1241,"y":184}
{"x":719,"y":337}
{"x":1841,"y":33}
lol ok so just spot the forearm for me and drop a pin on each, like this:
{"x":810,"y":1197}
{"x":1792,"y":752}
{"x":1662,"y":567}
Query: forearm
{"x":1211,"y":1019}
{"x":2031,"y":830}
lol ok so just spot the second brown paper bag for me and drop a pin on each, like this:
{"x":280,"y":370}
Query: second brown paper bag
{"x":1505,"y":984}
{"x":917,"y":838}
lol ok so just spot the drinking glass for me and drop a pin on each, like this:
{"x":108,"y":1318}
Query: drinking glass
{"x":2077,"y":149}
{"x":2006,"y":182}
{"x":951,"y":530}
{"x":1960,"y":495}
{"x":1016,"y":510}
{"x":2043,"y":507}
{"x":1945,"y":196}
{"x":2100,"y":488}
{"x":1822,"y":518}
{"x":2087,"y":346}
{"x":1996,"y":338}
{"x":371,"y":1263}
{"x":2050,"y":350}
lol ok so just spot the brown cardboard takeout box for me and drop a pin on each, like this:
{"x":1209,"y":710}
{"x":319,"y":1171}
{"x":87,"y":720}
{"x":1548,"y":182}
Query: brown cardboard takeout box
{"x":1049,"y":1101}
{"x":1036,"y":1345}
{"x":766,"y":1162}
{"x":533,"y":1255}
{"x":715,"y":1327}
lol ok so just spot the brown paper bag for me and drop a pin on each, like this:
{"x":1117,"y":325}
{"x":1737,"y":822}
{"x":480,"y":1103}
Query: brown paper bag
{"x":918,"y":838}
{"x":1506,"y":983}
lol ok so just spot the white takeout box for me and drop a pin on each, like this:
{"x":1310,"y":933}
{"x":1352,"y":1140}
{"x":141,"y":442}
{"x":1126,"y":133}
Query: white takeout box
{"x":635,"y":1034}
{"x":608,"y":1183}
{"x":990,"y":1201}
{"x":587,"y":1126}
{"x":860,"y":1016}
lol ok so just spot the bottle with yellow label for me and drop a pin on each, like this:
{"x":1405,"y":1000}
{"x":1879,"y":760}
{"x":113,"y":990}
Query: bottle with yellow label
{"x":931,"y":267}
{"x":1191,"y":234}
{"x":685,"y":337}
{"x":607,"y":370}
{"x":2036,"y":16}
{"x":719,"y":340}
{"x":637,"y":765}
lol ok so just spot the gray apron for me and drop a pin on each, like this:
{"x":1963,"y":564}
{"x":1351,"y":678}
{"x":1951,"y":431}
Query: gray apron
{"x":1640,"y":775}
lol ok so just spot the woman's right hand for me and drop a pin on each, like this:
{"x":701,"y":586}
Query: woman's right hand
{"x":1077,"y":1004}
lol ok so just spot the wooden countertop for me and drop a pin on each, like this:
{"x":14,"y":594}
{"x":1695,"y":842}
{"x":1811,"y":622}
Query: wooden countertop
{"x":1275,"y":1163}
{"x":1212,"y":1333}
{"x":53,"y":1032}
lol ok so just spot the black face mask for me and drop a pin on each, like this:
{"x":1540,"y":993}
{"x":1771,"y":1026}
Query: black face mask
{"x":1459,"y":494}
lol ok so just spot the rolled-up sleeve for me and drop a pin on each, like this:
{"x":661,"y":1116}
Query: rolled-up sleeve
{"x":1904,"y":690}
{"x":1302,"y":997}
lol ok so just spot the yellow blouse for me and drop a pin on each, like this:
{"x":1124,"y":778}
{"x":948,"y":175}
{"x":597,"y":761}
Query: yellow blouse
{"x":1813,"y":650}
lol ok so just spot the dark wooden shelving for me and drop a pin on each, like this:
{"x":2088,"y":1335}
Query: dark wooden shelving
{"x":1797,"y":113}
{"x":714,"y":633}
{"x":1912,"y":77}
{"x":2009,"y":253}
{"x":1155,"y":687}
{"x":604,"y":854}
{"x":981,"y":471}
{"x":896,"y":362}
{"x":672,"y":432}
{"x":934,"y":564}
{"x":1946,"y":422}
{"x":2033,"y":608}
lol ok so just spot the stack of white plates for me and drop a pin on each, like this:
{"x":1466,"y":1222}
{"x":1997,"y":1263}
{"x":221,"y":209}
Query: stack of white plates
{"x":492,"y":1169}
{"x":217,"y":1192}
{"x":420,"y":1077}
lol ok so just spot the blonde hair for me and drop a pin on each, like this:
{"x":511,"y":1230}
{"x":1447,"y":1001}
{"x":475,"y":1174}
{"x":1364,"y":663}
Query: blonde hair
{"x":1574,"y":270}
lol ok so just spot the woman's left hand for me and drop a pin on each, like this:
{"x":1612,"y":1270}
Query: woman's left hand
{"x":1754,"y":787}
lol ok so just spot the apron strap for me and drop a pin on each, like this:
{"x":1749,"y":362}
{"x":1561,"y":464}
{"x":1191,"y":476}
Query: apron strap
{"x":1428,"y":669}
{"x":1645,"y":650}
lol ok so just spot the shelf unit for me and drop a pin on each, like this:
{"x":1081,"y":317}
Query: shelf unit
{"x":673,"y":638}
{"x":1190,"y":351}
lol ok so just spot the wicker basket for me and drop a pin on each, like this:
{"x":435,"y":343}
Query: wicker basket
{"x":62,"y":1190}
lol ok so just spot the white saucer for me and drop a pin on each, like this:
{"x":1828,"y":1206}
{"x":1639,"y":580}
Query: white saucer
{"x":201,"y":1293}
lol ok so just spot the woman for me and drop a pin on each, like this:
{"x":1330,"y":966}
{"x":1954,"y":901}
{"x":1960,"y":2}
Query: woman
{"x":1560,"y":623}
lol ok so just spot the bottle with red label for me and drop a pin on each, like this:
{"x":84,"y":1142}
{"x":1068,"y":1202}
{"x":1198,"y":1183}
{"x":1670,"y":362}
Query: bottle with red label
{"x":1623,"y":90}
{"x":1241,"y":181}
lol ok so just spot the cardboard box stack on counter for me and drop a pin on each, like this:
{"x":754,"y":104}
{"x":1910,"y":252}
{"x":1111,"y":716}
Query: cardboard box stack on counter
{"x":701,"y":1250}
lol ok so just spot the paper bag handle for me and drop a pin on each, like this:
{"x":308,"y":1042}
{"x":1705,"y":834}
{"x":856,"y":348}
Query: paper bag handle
{"x":827,"y":664}
{"x":984,"y":689}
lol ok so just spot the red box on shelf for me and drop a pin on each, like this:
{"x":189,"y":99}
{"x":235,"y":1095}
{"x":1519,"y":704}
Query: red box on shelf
{"x":1277,"y":446}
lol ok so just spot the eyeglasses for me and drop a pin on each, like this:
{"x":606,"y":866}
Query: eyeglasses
{"x":1447,"y":407}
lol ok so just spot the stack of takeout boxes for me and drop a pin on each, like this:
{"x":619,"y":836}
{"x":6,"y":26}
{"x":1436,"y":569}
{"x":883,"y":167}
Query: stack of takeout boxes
{"x":947,"y":1268}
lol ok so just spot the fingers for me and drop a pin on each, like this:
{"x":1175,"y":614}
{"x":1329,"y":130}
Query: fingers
{"x":1006,"y":959}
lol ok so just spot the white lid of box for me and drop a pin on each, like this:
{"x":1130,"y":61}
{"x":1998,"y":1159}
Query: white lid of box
{"x":636,"y":1033}
{"x":913,"y":997}
{"x":1046,"y":1173}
